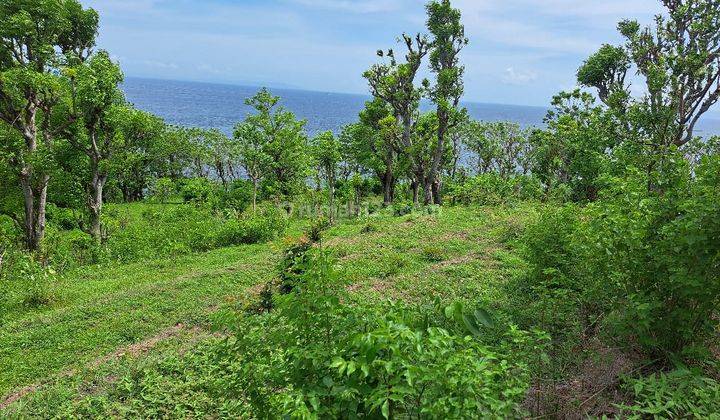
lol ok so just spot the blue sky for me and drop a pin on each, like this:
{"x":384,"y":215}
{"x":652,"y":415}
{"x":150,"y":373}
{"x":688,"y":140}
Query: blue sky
{"x":520,"y":52}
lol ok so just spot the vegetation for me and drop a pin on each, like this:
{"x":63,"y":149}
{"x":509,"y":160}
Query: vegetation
{"x":156,"y":271}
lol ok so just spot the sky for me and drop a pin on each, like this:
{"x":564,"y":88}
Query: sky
{"x":520,"y":52}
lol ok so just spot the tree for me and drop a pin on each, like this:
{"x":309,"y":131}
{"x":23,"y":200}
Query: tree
{"x":38,"y":39}
{"x":372,"y":144}
{"x":448,"y":40}
{"x":679,"y":60}
{"x":99,"y":109}
{"x":574,"y":149}
{"x":251,"y":143}
{"x":394,"y":84}
{"x":478,"y":139}
{"x":273,"y":145}
{"x":326,"y":151}
{"x":148,"y":151}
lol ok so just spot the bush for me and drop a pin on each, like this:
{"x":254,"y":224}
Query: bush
{"x":315,"y":357}
{"x":62,"y":218}
{"x":163,"y":189}
{"x":551,"y":296}
{"x":238,"y":195}
{"x":317,"y":227}
{"x":69,"y":249}
{"x":646,"y":263}
{"x":264,"y":224}
{"x":659,"y":255}
{"x":198,"y":191}
{"x":402,"y":208}
{"x":492,"y":189}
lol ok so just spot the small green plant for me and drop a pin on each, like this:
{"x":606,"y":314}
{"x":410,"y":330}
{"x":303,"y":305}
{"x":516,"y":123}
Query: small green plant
{"x":369,"y":228}
{"x":317,"y":227}
{"x":681,"y":393}
{"x":433,"y":253}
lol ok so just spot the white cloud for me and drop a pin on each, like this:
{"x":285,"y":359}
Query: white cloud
{"x":160,"y":65}
{"x":354,"y":6}
{"x":514,"y":77}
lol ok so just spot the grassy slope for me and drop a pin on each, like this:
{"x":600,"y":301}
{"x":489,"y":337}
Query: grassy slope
{"x":459,"y":253}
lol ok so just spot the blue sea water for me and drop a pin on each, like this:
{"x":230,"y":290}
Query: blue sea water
{"x":221,"y":106}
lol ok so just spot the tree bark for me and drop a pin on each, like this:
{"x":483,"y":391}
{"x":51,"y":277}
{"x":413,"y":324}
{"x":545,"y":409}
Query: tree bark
{"x":388,"y":182}
{"x":254,"y":201}
{"x":95,"y":202}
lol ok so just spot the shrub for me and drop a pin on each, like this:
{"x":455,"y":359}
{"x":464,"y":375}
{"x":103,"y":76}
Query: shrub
{"x":68,"y":249}
{"x":402,"y":208}
{"x":163,"y":189}
{"x":316,"y":228}
{"x":252,"y":227}
{"x":551,"y":296}
{"x":314,"y":356}
{"x":492,"y":189}
{"x":237,"y":196}
{"x":62,"y":218}
{"x":433,"y":253}
{"x":659,"y":256}
{"x":198,"y":191}
{"x":293,"y":264}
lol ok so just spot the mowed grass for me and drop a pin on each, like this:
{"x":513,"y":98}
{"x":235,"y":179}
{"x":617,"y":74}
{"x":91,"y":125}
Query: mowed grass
{"x":99,"y":311}
{"x":113,"y":322}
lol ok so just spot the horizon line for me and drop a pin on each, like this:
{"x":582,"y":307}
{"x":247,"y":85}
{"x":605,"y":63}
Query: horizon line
{"x":300,"y":89}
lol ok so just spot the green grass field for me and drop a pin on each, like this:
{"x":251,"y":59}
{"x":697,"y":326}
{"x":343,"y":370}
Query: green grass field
{"x":110,"y":323}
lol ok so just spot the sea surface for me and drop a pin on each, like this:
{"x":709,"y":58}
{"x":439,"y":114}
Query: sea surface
{"x":221,"y":106}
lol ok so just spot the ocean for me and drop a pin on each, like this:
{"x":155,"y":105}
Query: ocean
{"x":221,"y":106}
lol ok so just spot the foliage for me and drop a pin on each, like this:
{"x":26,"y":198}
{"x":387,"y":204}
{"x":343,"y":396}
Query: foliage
{"x":395,"y":368}
{"x":272,"y":145}
{"x":163,"y":189}
{"x":493,"y":189}
{"x":681,"y":393}
{"x":252,"y":227}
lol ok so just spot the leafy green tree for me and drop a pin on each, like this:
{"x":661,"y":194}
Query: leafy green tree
{"x":98,"y":106}
{"x":573,"y":151}
{"x":38,"y":39}
{"x":273,"y":146}
{"x":251,"y":143}
{"x":448,"y":40}
{"x":163,"y":189}
{"x":394,"y":84}
{"x":678,"y":59}
{"x":326,"y":151}
{"x":372,"y":147}
{"x":210,"y":149}
{"x":484,"y":146}
{"x":147,"y":152}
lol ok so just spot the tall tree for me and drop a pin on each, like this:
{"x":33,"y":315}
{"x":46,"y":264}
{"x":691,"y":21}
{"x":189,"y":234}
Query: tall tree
{"x":448,"y":40}
{"x":251,"y":142}
{"x":326,"y":151}
{"x":679,"y":59}
{"x":146,"y":153}
{"x":99,"y":107}
{"x":37,"y":40}
{"x":394,"y":83}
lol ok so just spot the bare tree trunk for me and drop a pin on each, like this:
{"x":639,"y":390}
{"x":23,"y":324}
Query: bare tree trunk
{"x":415,"y":186}
{"x":436,"y":187}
